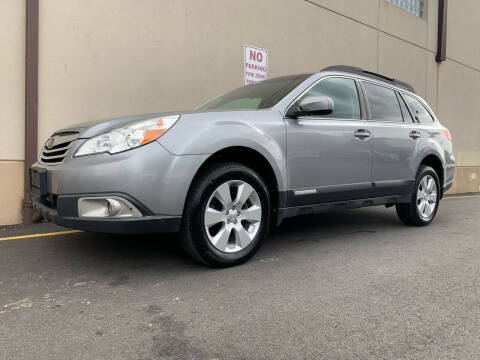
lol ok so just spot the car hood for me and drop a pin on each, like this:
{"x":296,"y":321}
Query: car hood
{"x":90,"y":129}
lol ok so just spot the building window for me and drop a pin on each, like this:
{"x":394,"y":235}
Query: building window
{"x":414,"y":7}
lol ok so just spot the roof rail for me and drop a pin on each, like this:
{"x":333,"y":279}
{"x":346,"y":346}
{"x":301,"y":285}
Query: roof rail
{"x":359,"y":71}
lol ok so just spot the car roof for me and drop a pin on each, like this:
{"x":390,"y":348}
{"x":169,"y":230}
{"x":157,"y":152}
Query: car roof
{"x":368,"y":74}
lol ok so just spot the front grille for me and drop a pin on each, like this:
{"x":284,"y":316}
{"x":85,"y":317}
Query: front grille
{"x":56,"y":147}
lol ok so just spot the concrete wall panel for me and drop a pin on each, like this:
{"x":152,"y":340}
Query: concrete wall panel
{"x":365,"y":11}
{"x":463,"y":40}
{"x":431,"y":82}
{"x":404,"y":25}
{"x":467,"y":180}
{"x":12,"y":79}
{"x":459,"y":110}
{"x":432,"y":18}
{"x":403,"y":61}
{"x":11,"y":183}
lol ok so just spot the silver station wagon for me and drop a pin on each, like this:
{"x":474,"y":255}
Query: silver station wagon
{"x":224,"y":173}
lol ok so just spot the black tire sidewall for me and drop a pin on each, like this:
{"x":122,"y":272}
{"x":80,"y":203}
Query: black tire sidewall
{"x":204,"y":190}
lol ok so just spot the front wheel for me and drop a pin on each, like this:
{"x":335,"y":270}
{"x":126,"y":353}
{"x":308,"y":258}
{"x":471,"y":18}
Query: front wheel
{"x":227,"y":215}
{"x":425,"y":199}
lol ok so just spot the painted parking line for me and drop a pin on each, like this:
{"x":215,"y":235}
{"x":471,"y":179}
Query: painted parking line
{"x":460,"y":197}
{"x":40,"y":235}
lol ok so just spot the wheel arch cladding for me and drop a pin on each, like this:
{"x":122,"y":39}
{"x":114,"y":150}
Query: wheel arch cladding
{"x":250,"y":158}
{"x":434,"y":162}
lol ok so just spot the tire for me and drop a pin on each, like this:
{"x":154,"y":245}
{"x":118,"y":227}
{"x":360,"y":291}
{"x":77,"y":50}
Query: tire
{"x":214,"y":237}
{"x":421,"y":210}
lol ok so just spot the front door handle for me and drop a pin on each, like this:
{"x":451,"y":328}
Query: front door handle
{"x":415,"y":135}
{"x":362,"y":134}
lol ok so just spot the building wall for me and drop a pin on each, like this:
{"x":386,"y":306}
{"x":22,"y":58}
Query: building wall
{"x":107,"y":58}
{"x":12,"y":108}
{"x":459,"y":91}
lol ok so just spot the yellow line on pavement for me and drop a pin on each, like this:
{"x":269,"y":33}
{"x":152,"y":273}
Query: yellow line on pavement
{"x":461,"y":197}
{"x":39,"y":235}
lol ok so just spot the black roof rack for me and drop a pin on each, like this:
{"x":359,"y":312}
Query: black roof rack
{"x":358,"y":71}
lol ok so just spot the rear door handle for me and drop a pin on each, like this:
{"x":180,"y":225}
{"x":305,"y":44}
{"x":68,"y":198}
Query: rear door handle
{"x":415,"y":135}
{"x":362,"y":134}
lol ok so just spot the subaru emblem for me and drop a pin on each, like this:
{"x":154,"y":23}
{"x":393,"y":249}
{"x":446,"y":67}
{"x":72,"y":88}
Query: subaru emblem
{"x":50,"y":142}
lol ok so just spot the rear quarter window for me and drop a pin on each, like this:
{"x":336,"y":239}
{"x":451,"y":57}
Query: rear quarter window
{"x":419,"y":112}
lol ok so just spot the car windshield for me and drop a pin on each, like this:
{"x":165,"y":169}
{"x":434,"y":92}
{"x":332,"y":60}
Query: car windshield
{"x":261,"y":95}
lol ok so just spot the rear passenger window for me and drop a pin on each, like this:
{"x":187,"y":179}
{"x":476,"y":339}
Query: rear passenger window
{"x":383,"y":102}
{"x":419,"y":112}
{"x":344,"y":94}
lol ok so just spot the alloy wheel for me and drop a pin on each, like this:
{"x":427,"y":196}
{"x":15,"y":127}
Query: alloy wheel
{"x":427,"y":197}
{"x":232,"y":216}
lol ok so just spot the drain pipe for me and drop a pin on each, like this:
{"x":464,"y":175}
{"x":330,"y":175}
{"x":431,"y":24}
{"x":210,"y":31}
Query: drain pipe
{"x":442,"y":31}
{"x":31,"y":103}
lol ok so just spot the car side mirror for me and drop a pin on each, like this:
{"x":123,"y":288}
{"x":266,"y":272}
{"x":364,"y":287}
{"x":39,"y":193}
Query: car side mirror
{"x":312,"y":105}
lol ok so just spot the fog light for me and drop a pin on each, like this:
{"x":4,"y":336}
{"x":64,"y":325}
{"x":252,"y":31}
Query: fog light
{"x":113,"y":207}
{"x":106,"y":207}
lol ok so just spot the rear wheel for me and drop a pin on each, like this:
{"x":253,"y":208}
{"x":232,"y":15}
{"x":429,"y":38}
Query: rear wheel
{"x":425,"y":199}
{"x":227,"y":215}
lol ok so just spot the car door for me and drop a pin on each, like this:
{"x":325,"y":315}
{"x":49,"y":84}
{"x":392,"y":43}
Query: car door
{"x":394,"y":140}
{"x":330,"y":157}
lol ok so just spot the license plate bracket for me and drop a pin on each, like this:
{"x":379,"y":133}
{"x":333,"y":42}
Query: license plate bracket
{"x":38,"y":182}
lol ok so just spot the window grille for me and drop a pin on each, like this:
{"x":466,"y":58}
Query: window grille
{"x":415,"y":7}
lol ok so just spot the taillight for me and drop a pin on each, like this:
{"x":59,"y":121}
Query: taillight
{"x":447,"y":134}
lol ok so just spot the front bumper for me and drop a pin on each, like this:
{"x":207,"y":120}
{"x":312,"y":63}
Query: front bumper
{"x":150,"y":174}
{"x":63,"y":211}
{"x":149,"y":177}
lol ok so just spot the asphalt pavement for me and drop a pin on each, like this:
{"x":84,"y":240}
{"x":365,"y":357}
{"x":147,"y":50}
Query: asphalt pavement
{"x":354,"y":284}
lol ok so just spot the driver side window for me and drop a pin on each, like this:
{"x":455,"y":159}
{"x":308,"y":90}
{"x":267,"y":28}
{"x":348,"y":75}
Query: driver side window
{"x":344,"y":94}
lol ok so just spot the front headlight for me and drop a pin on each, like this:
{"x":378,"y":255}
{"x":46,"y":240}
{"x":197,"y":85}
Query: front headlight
{"x":128,"y":137}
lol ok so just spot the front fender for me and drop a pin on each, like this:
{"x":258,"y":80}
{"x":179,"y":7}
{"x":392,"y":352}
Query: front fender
{"x":207,"y":133}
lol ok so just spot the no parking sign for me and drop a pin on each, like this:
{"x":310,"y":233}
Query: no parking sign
{"x":255,"y":64}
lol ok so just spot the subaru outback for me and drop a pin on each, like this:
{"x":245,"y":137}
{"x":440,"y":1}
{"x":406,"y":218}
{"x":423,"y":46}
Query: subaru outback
{"x":224,"y":173}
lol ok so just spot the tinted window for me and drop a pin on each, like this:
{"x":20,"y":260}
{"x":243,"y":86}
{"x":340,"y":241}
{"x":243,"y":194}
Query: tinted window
{"x":261,"y":95}
{"x":344,"y":94}
{"x":383,"y":102}
{"x":419,"y":112}
{"x":407,"y":117}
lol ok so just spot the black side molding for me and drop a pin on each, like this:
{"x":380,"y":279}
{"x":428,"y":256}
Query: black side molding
{"x":349,"y":204}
